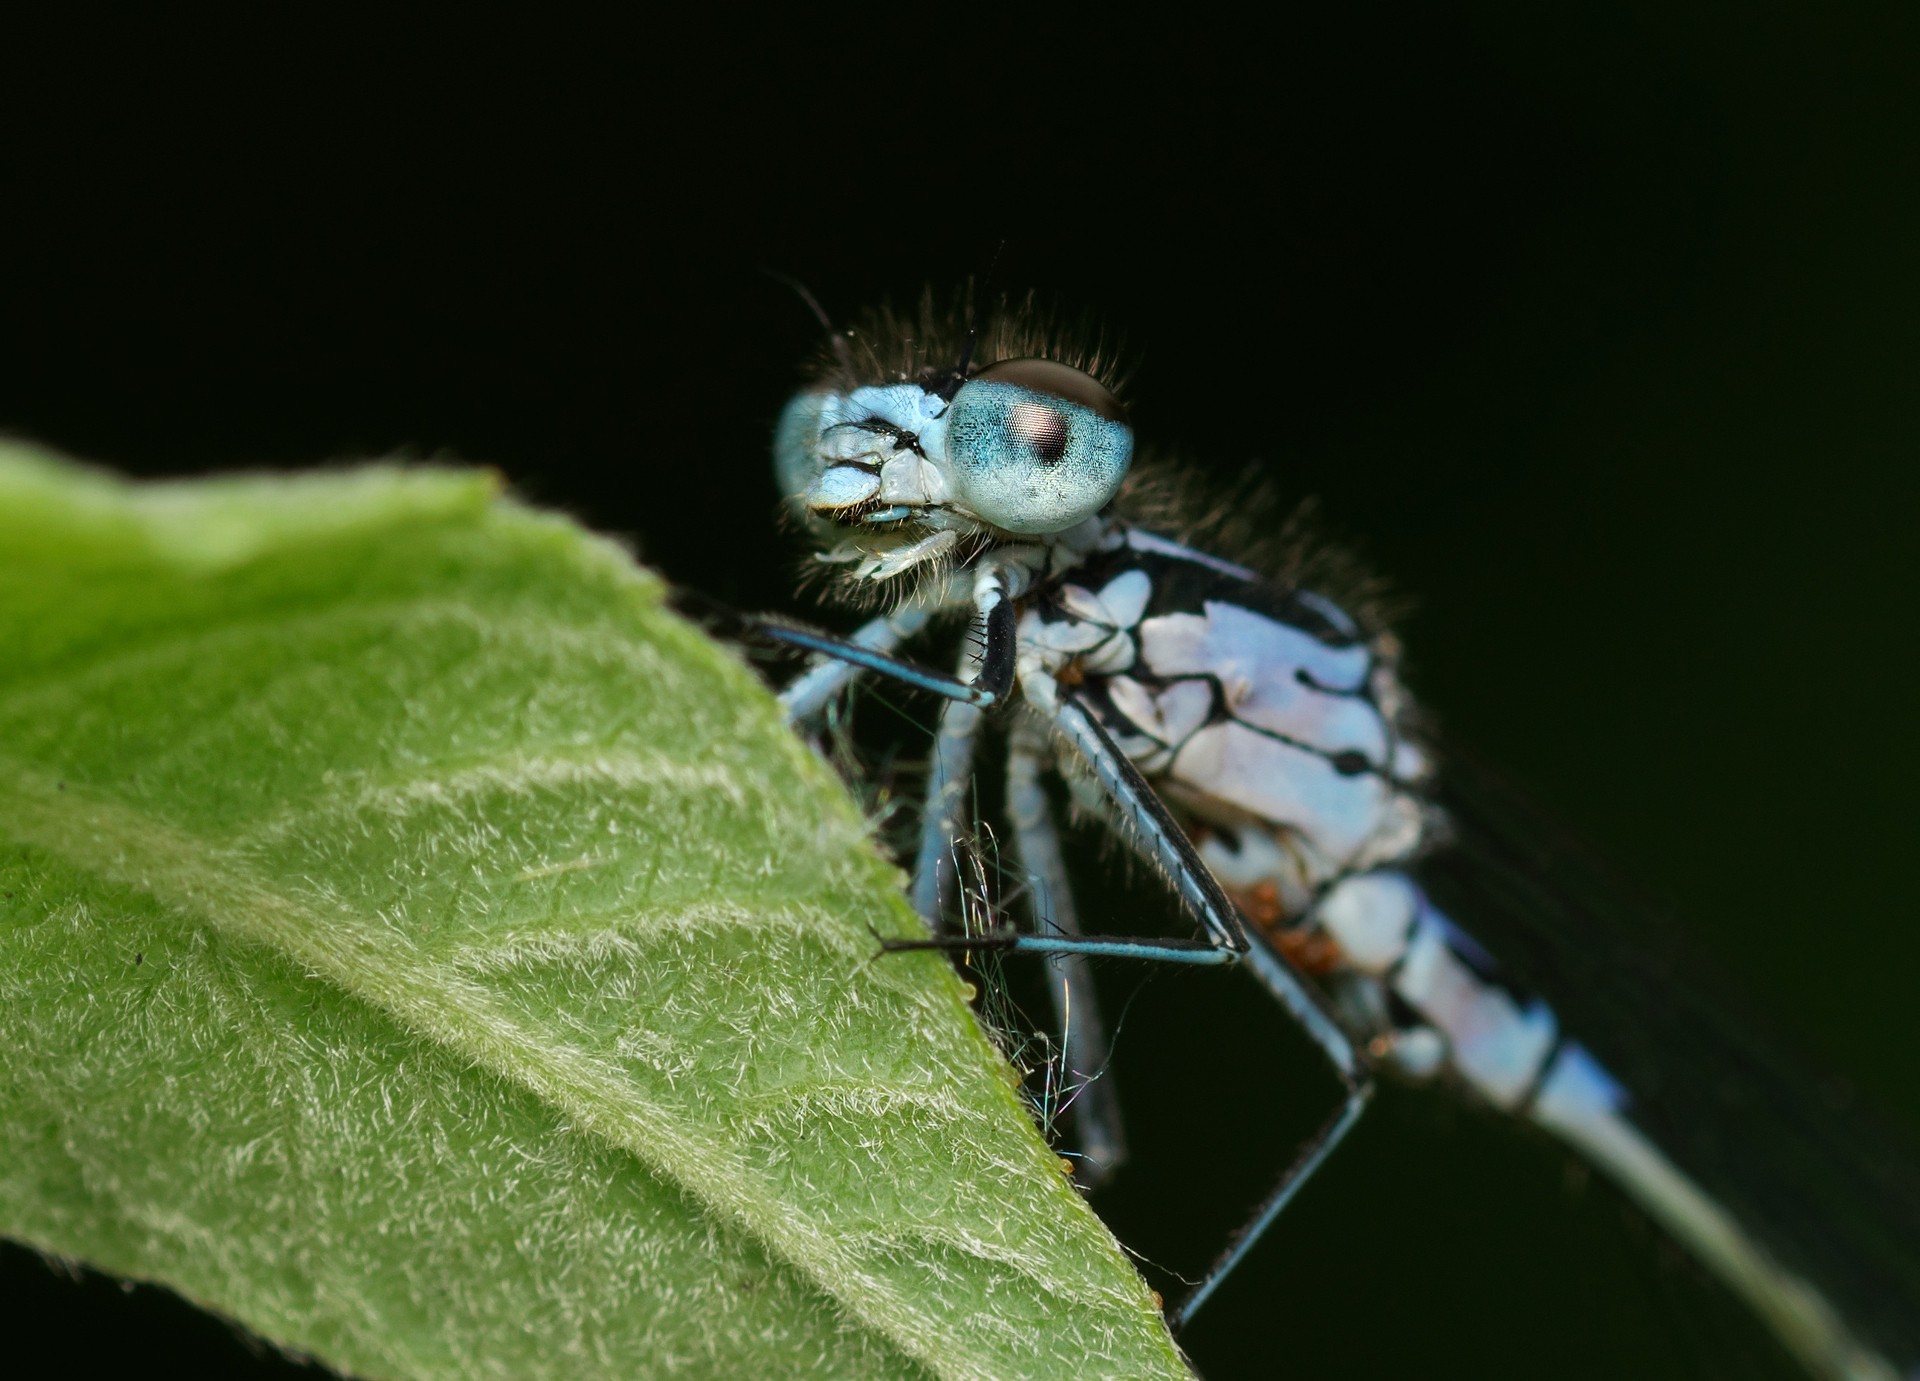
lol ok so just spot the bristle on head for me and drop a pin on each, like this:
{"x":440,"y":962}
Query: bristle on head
{"x":888,"y":346}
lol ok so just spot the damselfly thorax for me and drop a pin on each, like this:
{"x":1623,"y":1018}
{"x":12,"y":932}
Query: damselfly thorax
{"x":1248,"y":736}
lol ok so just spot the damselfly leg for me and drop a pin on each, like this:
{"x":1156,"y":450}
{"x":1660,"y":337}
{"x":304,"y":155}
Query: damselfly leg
{"x":1153,"y":833}
{"x":948,"y":793}
{"x":869,"y":650}
{"x":1083,"y":1037}
{"x":811,"y":691}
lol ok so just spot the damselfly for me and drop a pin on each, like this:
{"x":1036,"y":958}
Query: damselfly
{"x":1251,"y":738}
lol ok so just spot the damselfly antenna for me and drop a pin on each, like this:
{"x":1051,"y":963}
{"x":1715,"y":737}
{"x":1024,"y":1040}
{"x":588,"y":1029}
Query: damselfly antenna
{"x":842,"y":352}
{"x":973,"y":317}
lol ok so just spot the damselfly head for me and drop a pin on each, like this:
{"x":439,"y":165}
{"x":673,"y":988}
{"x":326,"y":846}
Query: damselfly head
{"x":897,"y":473}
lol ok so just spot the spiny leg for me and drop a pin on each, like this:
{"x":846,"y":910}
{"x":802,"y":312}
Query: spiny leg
{"x":1156,"y":835}
{"x":869,"y":651}
{"x":1315,"y":1150}
{"x":1096,"y":1110}
{"x":809,"y":692}
{"x":949,"y":778}
{"x":1162,"y":840}
{"x":988,"y":689}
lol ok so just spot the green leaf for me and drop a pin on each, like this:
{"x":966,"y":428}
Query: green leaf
{"x":420,"y":946}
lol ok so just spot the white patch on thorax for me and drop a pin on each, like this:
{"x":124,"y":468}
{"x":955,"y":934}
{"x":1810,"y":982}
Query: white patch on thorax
{"x":1275,"y":676}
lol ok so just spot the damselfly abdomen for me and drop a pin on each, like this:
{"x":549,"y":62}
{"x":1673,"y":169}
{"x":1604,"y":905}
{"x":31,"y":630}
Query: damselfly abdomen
{"x":1251,"y":738}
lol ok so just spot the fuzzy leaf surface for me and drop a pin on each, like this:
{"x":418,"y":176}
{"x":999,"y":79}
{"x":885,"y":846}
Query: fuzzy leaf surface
{"x":419,"y":945}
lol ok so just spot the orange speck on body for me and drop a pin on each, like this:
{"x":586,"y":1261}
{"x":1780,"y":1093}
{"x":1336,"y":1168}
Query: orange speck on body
{"x":1262,"y":905}
{"x":1310,"y":951}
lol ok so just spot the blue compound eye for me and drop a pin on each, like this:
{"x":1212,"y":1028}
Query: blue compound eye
{"x":1037,"y":446}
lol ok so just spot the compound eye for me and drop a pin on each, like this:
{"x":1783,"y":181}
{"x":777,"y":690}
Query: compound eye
{"x":1036,"y":446}
{"x":1061,"y":381}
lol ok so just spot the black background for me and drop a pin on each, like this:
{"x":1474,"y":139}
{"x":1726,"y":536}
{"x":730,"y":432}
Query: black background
{"x":1595,"y":332}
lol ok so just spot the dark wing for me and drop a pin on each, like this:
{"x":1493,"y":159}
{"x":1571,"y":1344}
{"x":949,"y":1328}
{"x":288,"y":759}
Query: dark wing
{"x":1827,"y":1189}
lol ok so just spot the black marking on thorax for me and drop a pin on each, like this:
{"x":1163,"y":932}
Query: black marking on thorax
{"x":1182,"y":586}
{"x":1186,"y":586}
